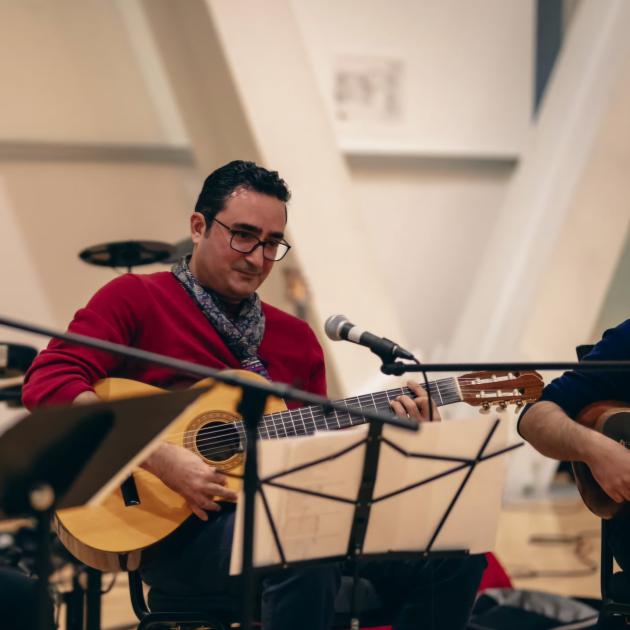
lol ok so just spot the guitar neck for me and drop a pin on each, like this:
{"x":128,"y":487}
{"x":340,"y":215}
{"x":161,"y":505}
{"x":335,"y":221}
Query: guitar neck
{"x":307,"y":420}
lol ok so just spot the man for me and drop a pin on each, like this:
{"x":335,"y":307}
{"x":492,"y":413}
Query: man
{"x":207,"y":311}
{"x":549,"y":426}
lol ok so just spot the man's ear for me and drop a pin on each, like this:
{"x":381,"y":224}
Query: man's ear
{"x":197,"y":227}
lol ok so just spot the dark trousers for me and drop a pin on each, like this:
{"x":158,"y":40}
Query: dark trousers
{"x":193,"y":564}
{"x":619,"y":543}
{"x":619,"y":538}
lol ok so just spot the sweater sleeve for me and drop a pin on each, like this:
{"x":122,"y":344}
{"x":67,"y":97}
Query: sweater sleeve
{"x":573,"y":391}
{"x":62,"y":371}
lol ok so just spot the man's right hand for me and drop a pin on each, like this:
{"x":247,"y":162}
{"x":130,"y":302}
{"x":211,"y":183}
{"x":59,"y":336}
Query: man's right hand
{"x":609,"y":462}
{"x":182,"y":471}
{"x":187,"y":474}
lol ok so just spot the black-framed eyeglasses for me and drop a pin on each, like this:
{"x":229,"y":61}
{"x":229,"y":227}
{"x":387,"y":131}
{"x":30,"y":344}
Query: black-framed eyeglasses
{"x":245,"y":242}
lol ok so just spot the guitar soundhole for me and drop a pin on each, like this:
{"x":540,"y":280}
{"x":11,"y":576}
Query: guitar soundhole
{"x":218,"y":441}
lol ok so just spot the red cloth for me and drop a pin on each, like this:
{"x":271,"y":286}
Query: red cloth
{"x":495,"y":576}
{"x":154,"y":312}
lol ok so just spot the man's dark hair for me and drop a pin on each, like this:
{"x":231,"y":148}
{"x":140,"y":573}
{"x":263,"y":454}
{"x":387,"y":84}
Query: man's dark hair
{"x":220,"y":184}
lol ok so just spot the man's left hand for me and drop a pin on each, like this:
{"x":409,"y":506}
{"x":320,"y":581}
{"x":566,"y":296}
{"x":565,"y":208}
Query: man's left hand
{"x":417,"y":407}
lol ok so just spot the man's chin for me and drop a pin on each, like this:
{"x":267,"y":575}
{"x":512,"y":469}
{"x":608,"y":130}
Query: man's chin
{"x":243,"y":290}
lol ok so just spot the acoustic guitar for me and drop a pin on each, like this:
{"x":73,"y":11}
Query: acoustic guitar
{"x":111,"y":536}
{"x":612,"y":418}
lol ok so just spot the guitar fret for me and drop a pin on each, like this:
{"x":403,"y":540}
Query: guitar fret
{"x":292,"y":424}
{"x":373,"y":401}
{"x":347,"y":417}
{"x":320,"y":422}
{"x":284,"y":427}
{"x":307,"y":430}
{"x":439,"y":393}
{"x":300,"y":428}
{"x":304,"y":428}
{"x":341,"y":420}
{"x":263,"y":427}
{"x":274,"y":426}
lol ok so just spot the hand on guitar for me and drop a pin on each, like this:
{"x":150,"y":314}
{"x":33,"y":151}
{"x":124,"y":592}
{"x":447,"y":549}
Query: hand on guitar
{"x":610,"y":465}
{"x":417,"y":407}
{"x":187,"y":474}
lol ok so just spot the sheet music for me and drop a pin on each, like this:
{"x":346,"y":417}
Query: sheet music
{"x":406,"y":522}
{"x":308,"y":526}
{"x":311,"y":527}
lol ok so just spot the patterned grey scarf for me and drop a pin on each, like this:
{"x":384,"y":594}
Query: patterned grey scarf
{"x":242,"y":334}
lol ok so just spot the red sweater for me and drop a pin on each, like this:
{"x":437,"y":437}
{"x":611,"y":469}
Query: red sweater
{"x":154,"y":312}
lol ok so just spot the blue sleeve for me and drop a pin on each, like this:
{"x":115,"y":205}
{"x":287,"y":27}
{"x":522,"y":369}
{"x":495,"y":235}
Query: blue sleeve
{"x":573,"y":391}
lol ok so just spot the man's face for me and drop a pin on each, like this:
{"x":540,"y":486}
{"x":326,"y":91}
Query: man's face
{"x":231,"y":274}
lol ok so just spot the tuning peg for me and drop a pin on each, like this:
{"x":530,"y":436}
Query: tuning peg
{"x":485,"y":408}
{"x":519,"y":403}
{"x":502,"y":406}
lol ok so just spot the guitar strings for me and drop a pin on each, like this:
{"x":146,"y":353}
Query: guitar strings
{"x":237,"y":436}
{"x":369,"y":400}
{"x":233,"y":432}
{"x":285,"y":421}
{"x":269,"y":421}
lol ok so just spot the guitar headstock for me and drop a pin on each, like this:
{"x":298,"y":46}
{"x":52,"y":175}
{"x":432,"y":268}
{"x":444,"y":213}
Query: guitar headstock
{"x":482,"y":389}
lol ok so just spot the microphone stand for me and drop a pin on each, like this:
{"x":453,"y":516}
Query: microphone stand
{"x":393,"y":367}
{"x":251,"y":407}
{"x":397,"y":368}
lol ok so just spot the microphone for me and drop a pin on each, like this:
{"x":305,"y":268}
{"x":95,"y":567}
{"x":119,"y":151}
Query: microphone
{"x":337,"y":327}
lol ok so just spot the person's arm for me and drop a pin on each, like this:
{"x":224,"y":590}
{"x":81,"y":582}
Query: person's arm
{"x":553,"y":433}
{"x":64,"y":371}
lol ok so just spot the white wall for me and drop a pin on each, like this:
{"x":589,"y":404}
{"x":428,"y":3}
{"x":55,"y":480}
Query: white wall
{"x":552,"y":252}
{"x":427,"y":222}
{"x":466,"y":85}
{"x":427,"y":186}
{"x":68,"y":75}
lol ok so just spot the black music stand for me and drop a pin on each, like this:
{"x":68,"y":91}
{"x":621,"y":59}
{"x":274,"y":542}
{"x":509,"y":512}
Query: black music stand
{"x":61,"y":457}
{"x":355,"y":552}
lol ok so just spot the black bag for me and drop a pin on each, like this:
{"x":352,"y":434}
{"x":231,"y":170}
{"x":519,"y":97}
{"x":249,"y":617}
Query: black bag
{"x":514,"y":609}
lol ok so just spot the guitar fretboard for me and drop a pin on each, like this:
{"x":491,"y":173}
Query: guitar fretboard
{"x":308,"y":420}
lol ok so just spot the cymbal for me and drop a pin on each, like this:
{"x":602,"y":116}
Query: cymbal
{"x":15,"y":358}
{"x":180,"y":249}
{"x":127,"y":253}
{"x":11,"y":395}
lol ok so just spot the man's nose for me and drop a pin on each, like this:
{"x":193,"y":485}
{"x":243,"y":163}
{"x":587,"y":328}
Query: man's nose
{"x":256,"y":257}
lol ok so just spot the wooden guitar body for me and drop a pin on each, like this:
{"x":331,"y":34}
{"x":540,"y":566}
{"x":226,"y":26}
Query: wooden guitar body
{"x":612,"y":418}
{"x":111,"y":536}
